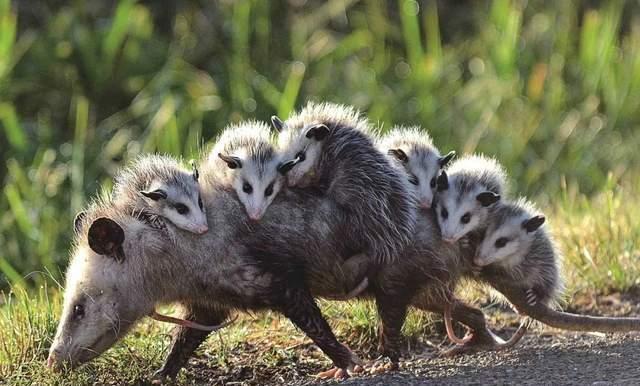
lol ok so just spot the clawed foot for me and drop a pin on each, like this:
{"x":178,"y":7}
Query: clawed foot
{"x":532,"y":298}
{"x":486,"y":341}
{"x":380,"y":366}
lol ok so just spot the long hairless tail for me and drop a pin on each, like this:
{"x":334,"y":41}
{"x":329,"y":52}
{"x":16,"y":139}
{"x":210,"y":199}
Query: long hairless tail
{"x":566,"y":320}
{"x":515,"y":338}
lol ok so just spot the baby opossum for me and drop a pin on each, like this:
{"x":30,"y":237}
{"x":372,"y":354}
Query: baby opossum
{"x":413,"y":148}
{"x":246,"y":161}
{"x":517,"y":248}
{"x":333,"y":150}
{"x":466,"y":193}
{"x":162,"y":189}
{"x":330,"y":148}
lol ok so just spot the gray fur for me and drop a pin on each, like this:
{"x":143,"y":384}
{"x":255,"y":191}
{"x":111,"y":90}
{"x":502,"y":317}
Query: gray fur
{"x":375,"y":196}
{"x":152,"y":172}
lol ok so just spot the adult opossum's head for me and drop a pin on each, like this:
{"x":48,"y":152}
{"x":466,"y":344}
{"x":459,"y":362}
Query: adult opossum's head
{"x":252,"y":165}
{"x":101,"y":302}
{"x":510,"y":232}
{"x":414,"y":150}
{"x":166,"y":189}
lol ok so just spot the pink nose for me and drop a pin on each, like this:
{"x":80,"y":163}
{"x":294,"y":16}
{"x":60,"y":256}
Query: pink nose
{"x":425,"y":204}
{"x":449,"y":240}
{"x":255,"y":216}
{"x":203,"y":229}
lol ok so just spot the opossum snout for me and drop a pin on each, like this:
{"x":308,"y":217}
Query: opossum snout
{"x":202,"y":229}
{"x":450,"y":240}
{"x":53,"y":360}
{"x":425,"y":204}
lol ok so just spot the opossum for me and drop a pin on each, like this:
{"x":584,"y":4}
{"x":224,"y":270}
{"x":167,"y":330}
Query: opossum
{"x":330,"y":148}
{"x":414,"y":150}
{"x":466,"y":192}
{"x":163,"y":190}
{"x":247,"y":162}
{"x":518,"y":249}
{"x":122,"y":267}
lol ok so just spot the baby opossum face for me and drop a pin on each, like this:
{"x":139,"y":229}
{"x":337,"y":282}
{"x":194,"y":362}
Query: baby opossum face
{"x":423,"y":168}
{"x":301,"y":149}
{"x":179,"y":203}
{"x":99,"y":307}
{"x":461,"y":211}
{"x":508,"y":239}
{"x":256,"y":182}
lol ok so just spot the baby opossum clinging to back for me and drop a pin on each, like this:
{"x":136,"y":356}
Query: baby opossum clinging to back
{"x":246,"y":161}
{"x":413,"y":148}
{"x":163,"y":190}
{"x":518,"y":250}
{"x":329,"y":147}
{"x":466,"y":193}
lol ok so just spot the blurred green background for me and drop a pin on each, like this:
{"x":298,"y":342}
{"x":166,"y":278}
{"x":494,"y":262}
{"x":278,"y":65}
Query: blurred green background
{"x":552,"y":88}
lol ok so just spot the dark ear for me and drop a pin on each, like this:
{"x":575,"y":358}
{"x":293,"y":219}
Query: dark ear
{"x":533,"y":223}
{"x":77,"y":222}
{"x":156,"y":195}
{"x":488,"y":198}
{"x":233,"y":162}
{"x":284,"y":167}
{"x":194,"y":168}
{"x":277,"y":123}
{"x":443,"y":161}
{"x":442,"y":182}
{"x":318,"y":132}
{"x":106,"y":238}
{"x":399,"y":154}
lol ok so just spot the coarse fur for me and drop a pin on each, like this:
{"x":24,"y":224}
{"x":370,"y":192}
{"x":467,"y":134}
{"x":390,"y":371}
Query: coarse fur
{"x":335,"y":153}
{"x":246,"y":161}
{"x":467,"y":191}
{"x":518,"y":248}
{"x":164,"y":190}
{"x":413,"y":149}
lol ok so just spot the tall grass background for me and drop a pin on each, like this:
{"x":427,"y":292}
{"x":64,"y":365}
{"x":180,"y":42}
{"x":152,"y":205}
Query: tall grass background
{"x":550,"y":88}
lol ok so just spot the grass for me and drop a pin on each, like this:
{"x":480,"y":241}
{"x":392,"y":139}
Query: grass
{"x":599,"y":238}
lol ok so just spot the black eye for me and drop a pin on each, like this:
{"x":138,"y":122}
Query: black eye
{"x":78,"y":311}
{"x":301,"y":155}
{"x":501,"y":242}
{"x":444,"y":213}
{"x":181,"y":208}
{"x":247,"y":188}
{"x":269,"y":190}
{"x":432,"y":183}
{"x":200,"y":202}
{"x":465,"y":218}
{"x":414,"y":180}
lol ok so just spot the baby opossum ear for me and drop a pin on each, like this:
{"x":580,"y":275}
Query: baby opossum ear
{"x":533,"y":223}
{"x":277,"y":123}
{"x":284,"y":167}
{"x":194,"y":168}
{"x":399,"y":154}
{"x":233,"y":162}
{"x":442,"y":182}
{"x":318,"y":132}
{"x":106,"y":238}
{"x":77,"y":222}
{"x":155,"y":195}
{"x":488,"y":198}
{"x":443,"y":161}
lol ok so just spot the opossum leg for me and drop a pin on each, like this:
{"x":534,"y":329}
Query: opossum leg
{"x":354,"y":272}
{"x":392,"y":309}
{"x":298,"y":305}
{"x":186,"y":340}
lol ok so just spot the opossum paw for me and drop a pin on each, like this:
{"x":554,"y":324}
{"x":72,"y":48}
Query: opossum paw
{"x":334,"y":373}
{"x":532,"y":298}
{"x":380,"y":366}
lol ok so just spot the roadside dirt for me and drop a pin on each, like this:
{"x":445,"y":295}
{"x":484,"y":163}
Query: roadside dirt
{"x":544,"y":356}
